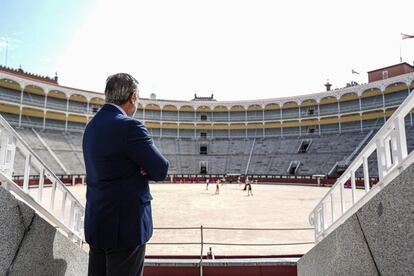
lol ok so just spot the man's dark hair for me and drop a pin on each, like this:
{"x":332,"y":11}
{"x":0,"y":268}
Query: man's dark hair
{"x":119,"y":87}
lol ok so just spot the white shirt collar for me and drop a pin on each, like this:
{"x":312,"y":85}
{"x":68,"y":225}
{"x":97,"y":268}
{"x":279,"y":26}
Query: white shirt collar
{"x":120,"y":108}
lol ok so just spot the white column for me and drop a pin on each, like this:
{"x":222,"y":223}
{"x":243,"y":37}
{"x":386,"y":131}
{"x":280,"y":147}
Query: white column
{"x":21,"y":102}
{"x":300,"y":121}
{"x":360,"y":112}
{"x":411,"y":114}
{"x":319,"y":118}
{"x":383,"y":105}
{"x":263,"y":115}
{"x":178,"y":123}
{"x":67,"y":111}
{"x":66,"y":122}
{"x":281,"y":128}
{"x":161,"y":124}
{"x":45,"y":111}
{"x":281,"y":107}
{"x":339,"y":116}
{"x":319,"y":125}
{"x":44,"y":119}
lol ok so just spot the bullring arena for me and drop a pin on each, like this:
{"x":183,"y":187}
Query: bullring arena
{"x":191,"y":205}
{"x":322,"y":163}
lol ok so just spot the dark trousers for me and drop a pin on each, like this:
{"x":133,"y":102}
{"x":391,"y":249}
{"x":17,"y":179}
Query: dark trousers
{"x":119,"y":262}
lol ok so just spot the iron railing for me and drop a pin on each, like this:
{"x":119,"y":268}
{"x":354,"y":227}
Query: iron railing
{"x":202,"y":242}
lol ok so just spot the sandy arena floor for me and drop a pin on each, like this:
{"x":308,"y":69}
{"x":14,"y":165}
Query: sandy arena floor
{"x":191,"y":205}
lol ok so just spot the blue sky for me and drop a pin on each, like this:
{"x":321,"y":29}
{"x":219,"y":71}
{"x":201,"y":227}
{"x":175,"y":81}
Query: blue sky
{"x":37,"y":31}
{"x":237,"y":49}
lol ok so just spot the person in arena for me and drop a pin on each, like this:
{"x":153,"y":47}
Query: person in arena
{"x":247,"y":181}
{"x":210,"y":254}
{"x":120,"y":159}
{"x":217,"y":187}
{"x":249,"y":189}
{"x":207,"y":182}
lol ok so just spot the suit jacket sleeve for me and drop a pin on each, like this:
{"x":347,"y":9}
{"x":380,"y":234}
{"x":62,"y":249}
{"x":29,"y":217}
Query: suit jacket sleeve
{"x":141,"y":149}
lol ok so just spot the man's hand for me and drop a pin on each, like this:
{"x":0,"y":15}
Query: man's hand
{"x":143,"y":172}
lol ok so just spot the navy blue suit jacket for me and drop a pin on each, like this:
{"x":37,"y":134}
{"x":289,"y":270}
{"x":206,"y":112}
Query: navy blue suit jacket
{"x":118,"y":199}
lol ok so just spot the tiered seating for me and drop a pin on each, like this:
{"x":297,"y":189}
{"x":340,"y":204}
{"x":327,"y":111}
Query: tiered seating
{"x":270,"y":155}
{"x":30,"y":137}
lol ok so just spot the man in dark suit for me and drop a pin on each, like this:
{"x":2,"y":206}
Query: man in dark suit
{"x":120,"y":159}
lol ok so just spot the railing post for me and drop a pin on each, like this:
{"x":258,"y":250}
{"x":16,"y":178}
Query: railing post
{"x":323,"y":216}
{"x":71,"y":214}
{"x":401,"y":140}
{"x":315,"y":223}
{"x":41,"y":184}
{"x":201,"y":253}
{"x":52,"y":199}
{"x":3,"y":149}
{"x":366,"y":173}
{"x":75,"y":218}
{"x":380,"y":158}
{"x":332,"y":208}
{"x":26,"y":174}
{"x":353,"y":187}
{"x":342,"y":194}
{"x":62,"y":210}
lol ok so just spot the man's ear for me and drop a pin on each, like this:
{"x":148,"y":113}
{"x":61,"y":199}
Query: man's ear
{"x":132,"y":99}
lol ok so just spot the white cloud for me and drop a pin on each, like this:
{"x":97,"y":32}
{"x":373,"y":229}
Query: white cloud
{"x":238,"y":49}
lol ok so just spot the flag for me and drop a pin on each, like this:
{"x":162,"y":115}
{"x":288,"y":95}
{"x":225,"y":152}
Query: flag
{"x":354,"y":72}
{"x":406,"y":36}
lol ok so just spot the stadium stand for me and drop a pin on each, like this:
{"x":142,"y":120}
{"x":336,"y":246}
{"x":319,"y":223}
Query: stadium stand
{"x":240,"y":137}
{"x":270,"y":156}
{"x":316,"y":134}
{"x":369,"y":234}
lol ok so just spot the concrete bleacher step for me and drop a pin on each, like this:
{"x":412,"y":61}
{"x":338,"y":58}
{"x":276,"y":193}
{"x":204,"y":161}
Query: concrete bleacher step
{"x":32,"y":246}
{"x":375,"y":240}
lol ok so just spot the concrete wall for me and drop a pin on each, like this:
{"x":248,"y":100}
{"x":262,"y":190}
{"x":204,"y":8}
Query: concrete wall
{"x":31,"y":246}
{"x":377,"y":240}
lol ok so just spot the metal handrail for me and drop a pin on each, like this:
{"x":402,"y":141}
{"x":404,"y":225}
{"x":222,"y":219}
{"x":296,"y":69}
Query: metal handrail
{"x":10,"y":140}
{"x":203,"y":228}
{"x":391,"y":146}
{"x":202,"y":241}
